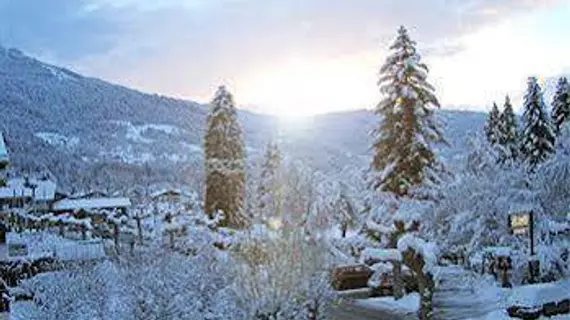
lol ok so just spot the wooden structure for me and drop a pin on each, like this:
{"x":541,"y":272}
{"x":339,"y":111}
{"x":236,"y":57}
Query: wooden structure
{"x":351,"y":277}
{"x":387,"y":267}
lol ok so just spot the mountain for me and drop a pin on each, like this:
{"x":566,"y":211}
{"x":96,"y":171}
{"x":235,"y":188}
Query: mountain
{"x":90,"y":133}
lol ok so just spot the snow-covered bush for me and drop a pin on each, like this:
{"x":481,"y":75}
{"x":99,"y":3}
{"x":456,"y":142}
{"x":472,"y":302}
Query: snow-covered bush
{"x":152,"y":284}
{"x":287,"y":279}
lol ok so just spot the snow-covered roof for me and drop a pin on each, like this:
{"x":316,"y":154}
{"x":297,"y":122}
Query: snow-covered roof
{"x":95,"y":203}
{"x":165,"y":192}
{"x":3,"y":149}
{"x":176,"y":191}
{"x":499,"y":251}
{"x":89,"y":194}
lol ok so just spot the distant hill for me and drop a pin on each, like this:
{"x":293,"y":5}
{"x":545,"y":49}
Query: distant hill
{"x":88,"y":132}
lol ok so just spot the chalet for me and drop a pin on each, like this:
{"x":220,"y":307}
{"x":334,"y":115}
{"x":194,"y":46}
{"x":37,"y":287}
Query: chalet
{"x":4,"y":160}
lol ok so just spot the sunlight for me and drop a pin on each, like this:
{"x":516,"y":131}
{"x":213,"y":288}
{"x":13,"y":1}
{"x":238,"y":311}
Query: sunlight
{"x":303,"y":87}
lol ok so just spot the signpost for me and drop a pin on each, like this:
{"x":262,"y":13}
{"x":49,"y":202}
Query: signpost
{"x":523,"y":224}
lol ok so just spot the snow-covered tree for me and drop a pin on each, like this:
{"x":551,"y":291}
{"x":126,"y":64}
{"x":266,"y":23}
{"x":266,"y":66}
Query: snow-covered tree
{"x":225,"y":161}
{"x":403,"y":155}
{"x":554,"y":176}
{"x":537,"y":141}
{"x":475,"y":210}
{"x":493,"y":125}
{"x":298,"y":192}
{"x":270,"y":184}
{"x":561,"y":105}
{"x":345,"y":211}
{"x":283,"y":276}
{"x":508,"y":133}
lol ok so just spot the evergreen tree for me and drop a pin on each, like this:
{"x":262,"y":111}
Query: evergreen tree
{"x":561,"y":105}
{"x":225,"y":162}
{"x":492,"y":127}
{"x":537,"y":136}
{"x":508,"y":133}
{"x":403,"y":158}
{"x":269,"y":190}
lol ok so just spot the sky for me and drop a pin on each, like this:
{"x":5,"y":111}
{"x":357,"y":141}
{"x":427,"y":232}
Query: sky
{"x":296,"y":57}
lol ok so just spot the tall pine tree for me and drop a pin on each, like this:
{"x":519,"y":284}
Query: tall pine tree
{"x":508,"y":133}
{"x":561,"y":105}
{"x":403,"y":158}
{"x":269,"y":193}
{"x":225,"y":162}
{"x":492,"y":127}
{"x":537,"y":136}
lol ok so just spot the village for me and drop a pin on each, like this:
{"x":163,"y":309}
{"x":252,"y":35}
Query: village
{"x":423,"y":195}
{"x":40,"y":227}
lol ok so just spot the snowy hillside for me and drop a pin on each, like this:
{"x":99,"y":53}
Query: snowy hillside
{"x":57,"y":119}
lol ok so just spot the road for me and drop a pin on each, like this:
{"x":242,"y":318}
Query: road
{"x":463,"y":294}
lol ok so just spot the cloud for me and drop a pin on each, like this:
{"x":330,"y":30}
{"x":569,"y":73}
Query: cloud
{"x":184,"y":47}
{"x":58,"y":26}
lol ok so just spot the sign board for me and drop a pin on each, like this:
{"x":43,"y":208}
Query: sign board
{"x":519,"y":223}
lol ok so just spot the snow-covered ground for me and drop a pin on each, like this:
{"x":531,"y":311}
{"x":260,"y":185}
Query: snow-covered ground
{"x":466,"y":295}
{"x":409,"y":304}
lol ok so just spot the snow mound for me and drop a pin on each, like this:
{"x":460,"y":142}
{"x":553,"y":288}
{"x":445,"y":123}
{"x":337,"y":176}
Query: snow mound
{"x":381,"y":254}
{"x":538,"y":294}
{"x":407,"y":305}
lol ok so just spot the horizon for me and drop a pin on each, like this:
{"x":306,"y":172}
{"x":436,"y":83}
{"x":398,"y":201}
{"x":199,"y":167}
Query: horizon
{"x":294,"y":59}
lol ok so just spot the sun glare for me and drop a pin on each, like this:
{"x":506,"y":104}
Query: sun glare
{"x":299,"y":88}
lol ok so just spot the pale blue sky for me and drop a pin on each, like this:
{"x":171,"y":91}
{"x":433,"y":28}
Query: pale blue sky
{"x":295,"y":57}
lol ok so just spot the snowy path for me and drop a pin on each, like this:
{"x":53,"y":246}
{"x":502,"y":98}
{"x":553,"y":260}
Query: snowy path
{"x":463,"y":294}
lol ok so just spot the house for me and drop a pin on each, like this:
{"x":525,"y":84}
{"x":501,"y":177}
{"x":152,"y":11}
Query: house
{"x":4,"y":160}
{"x":175,"y":196}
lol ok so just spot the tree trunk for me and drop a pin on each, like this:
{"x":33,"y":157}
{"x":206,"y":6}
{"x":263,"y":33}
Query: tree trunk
{"x":343,"y":228}
{"x":426,"y":288}
{"x":139,"y":229}
{"x":171,"y":236}
{"x":398,"y":282}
